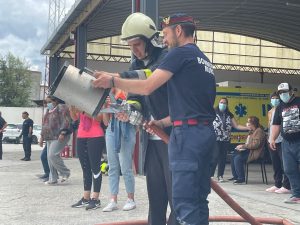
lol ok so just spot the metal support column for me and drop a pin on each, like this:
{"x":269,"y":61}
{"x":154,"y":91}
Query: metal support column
{"x":80,"y":47}
{"x":150,"y":8}
{"x":53,"y":68}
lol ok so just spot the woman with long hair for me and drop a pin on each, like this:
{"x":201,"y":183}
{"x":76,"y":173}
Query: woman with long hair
{"x":223,"y":124}
{"x":90,"y":144}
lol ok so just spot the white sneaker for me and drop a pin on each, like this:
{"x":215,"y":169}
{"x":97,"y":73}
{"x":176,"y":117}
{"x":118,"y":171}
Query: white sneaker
{"x":283,"y":190}
{"x":220,"y":179}
{"x":129,"y":205}
{"x":110,"y":206}
{"x":272,"y":189}
{"x":51,"y":182}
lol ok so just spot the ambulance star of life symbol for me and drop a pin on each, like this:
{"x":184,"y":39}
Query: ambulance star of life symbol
{"x":240,"y":110}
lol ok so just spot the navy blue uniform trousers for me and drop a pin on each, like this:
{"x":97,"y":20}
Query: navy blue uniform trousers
{"x":190,"y":155}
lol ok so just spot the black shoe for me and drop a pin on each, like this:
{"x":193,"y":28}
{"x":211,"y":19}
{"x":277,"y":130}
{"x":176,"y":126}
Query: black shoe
{"x":23,"y":158}
{"x":27,"y":159}
{"x":93,"y":204}
{"x":81,"y":203}
{"x":232,"y":179}
{"x":239,"y":182}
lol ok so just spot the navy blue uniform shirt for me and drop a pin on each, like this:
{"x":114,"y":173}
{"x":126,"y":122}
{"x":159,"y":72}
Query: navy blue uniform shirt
{"x":192,"y":88}
{"x":25,"y":128}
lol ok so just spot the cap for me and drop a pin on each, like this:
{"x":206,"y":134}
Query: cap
{"x":284,"y":87}
{"x":178,"y":18}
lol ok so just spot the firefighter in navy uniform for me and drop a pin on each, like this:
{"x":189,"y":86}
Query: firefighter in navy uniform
{"x":191,"y":95}
{"x":140,"y":33}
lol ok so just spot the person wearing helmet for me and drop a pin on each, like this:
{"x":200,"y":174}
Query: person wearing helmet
{"x":191,"y":95}
{"x":140,"y":33}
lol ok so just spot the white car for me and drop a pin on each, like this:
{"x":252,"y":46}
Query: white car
{"x":36,"y":134}
{"x":12,"y":134}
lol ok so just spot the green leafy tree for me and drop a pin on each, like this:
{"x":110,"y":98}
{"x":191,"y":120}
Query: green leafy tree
{"x":15,"y":81}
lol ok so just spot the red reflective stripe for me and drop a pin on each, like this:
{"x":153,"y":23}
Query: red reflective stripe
{"x":188,"y":122}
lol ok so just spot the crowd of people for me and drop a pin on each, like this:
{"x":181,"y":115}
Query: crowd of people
{"x":175,"y":89}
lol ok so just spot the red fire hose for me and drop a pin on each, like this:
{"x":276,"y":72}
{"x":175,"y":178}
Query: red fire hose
{"x":244,"y":216}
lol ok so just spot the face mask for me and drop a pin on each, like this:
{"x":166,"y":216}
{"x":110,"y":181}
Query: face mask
{"x":222,"y":107}
{"x":50,"y":105}
{"x":285,"y":97}
{"x":275,"y":102}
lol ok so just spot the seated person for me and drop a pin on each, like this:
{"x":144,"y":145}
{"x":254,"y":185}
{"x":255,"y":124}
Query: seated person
{"x":250,"y":151}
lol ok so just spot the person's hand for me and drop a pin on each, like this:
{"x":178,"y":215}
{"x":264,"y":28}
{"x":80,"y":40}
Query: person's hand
{"x":103,"y":79}
{"x":147,"y":125}
{"x":73,"y":109}
{"x":29,"y":135}
{"x":41,"y":142}
{"x":273,"y":145}
{"x":122,"y":116}
{"x":239,"y":147}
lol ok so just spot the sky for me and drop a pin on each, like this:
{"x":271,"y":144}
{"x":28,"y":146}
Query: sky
{"x":24,"y":29}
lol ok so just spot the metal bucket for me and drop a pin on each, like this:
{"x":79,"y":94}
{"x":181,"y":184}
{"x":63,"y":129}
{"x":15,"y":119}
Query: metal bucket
{"x":74,"y":86}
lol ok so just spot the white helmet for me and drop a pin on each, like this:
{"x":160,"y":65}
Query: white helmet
{"x":138,"y":25}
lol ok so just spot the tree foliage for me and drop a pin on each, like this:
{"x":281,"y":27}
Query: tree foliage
{"x":15,"y":81}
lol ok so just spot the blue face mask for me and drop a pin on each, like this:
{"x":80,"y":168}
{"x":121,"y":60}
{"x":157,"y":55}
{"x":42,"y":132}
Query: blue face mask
{"x":275,"y":102}
{"x":285,"y":97}
{"x":222,"y":107}
{"x":50,"y":105}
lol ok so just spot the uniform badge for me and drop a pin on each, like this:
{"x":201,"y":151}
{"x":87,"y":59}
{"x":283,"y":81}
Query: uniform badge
{"x":167,"y":20}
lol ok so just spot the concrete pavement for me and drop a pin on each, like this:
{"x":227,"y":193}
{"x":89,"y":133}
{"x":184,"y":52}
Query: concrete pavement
{"x":26,"y":200}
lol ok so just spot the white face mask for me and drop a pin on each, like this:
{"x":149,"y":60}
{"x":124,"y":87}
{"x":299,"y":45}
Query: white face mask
{"x":285,"y":97}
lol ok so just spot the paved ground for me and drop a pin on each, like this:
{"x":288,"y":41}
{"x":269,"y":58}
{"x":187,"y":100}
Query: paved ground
{"x":26,"y":200}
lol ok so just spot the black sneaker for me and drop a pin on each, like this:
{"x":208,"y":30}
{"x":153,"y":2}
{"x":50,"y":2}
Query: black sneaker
{"x":93,"y":204}
{"x":232,"y":179}
{"x":81,"y":203}
{"x":239,"y":182}
{"x":27,"y":159}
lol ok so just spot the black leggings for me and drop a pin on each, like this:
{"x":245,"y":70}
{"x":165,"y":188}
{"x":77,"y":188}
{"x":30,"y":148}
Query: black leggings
{"x":89,"y":151}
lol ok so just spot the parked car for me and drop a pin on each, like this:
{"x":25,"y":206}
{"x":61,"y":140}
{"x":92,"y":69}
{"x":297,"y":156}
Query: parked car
{"x":36,"y":134}
{"x":11,"y":134}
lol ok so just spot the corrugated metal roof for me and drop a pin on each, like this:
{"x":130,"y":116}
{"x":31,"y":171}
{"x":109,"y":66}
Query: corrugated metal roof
{"x":274,"y":20}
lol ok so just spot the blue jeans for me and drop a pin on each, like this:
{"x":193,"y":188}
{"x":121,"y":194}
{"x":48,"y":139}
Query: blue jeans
{"x":238,"y":161}
{"x":45,"y":160}
{"x":190,"y":155}
{"x":291,"y":162}
{"x":120,"y":161}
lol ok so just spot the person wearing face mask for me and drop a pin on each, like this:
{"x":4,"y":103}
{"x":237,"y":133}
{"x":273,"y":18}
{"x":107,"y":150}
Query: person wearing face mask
{"x":222,"y":125}
{"x":287,"y":123}
{"x":141,"y":34}
{"x":56,"y":130}
{"x":282,"y":184}
{"x":248,"y":152}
